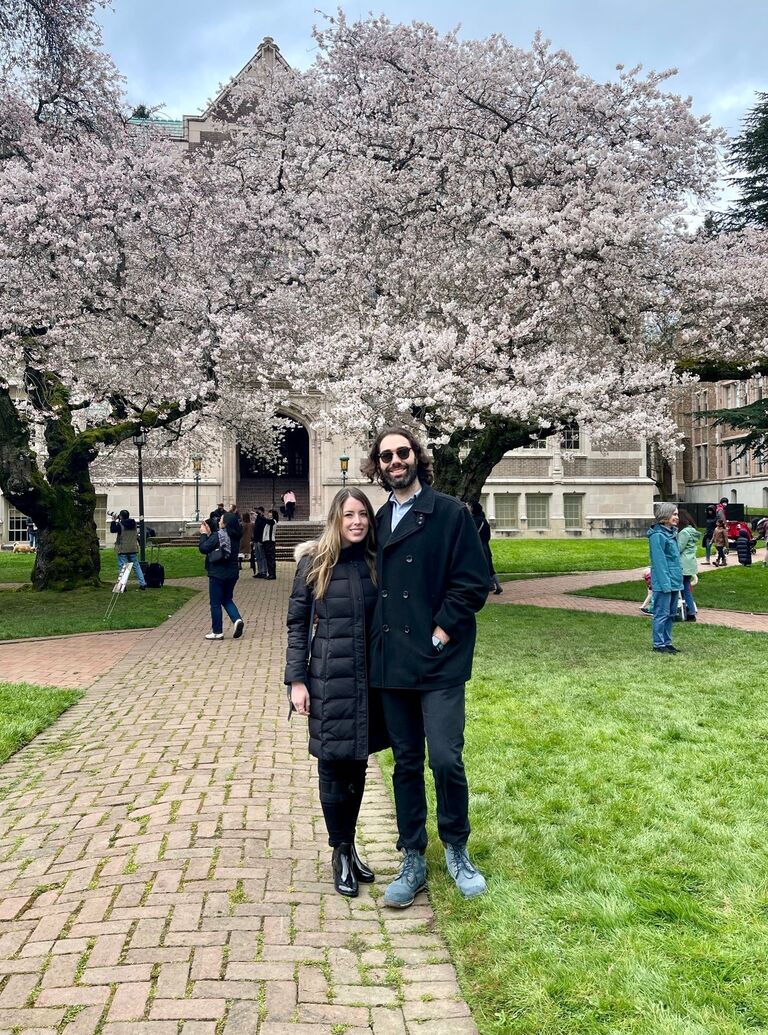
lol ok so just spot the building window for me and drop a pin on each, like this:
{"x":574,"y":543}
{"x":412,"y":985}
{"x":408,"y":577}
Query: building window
{"x":100,"y":517}
{"x":569,"y":439}
{"x":573,"y":510}
{"x":733,"y":462}
{"x":17,"y":526}
{"x":537,"y":443}
{"x":537,"y":509}
{"x":702,"y":463}
{"x":506,"y":509}
{"x":761,"y":462}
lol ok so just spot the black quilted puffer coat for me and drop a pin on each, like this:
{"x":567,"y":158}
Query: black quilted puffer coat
{"x":345,"y":721}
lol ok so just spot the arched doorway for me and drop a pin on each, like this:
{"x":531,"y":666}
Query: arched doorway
{"x":262,"y":484}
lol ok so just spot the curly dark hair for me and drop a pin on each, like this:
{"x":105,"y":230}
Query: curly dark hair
{"x":371,"y":469}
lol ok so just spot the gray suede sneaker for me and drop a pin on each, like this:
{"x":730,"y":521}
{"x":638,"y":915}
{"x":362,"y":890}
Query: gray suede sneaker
{"x":411,"y":879}
{"x":469,"y":880}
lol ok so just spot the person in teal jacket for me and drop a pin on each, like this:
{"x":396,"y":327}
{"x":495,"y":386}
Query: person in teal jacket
{"x":666,"y":575}
{"x":688,"y":537}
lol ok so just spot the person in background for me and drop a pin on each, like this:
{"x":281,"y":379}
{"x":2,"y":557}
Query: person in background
{"x":247,"y":537}
{"x":720,"y":542}
{"x":268,"y":537}
{"x":647,"y":605}
{"x":484,"y":531}
{"x":666,"y":575}
{"x":688,"y":537}
{"x":221,"y":545}
{"x":31,"y":533}
{"x":711,"y":524}
{"x":744,"y":547}
{"x":327,"y":671}
{"x":218,"y":513}
{"x":289,"y":502}
{"x":127,"y":544}
{"x":258,"y":557}
{"x":721,"y":510}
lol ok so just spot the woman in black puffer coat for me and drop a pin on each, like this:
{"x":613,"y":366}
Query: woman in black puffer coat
{"x":335,"y":584}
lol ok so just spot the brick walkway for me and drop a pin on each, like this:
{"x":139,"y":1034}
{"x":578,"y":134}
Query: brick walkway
{"x":163,"y":865}
{"x":557,"y":592}
{"x":68,"y":661}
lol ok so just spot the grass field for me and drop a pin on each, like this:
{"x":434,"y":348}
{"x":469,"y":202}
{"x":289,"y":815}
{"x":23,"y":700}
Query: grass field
{"x":26,"y":613}
{"x":179,"y":562}
{"x":732,"y":589}
{"x":562,"y":555}
{"x":618,"y":810}
{"x":26,"y":710}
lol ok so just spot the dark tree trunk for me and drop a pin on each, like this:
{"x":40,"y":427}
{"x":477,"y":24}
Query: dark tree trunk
{"x":61,"y":500}
{"x":464,"y":464}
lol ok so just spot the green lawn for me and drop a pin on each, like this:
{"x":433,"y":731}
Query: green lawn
{"x":561,"y":555}
{"x":26,"y":613}
{"x":26,"y":710}
{"x":179,"y":562}
{"x":618,"y":810}
{"x":733,"y":589}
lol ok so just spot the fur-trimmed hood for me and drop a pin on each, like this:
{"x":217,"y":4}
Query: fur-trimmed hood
{"x":306,"y":549}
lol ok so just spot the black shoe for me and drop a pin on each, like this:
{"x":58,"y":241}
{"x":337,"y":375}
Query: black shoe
{"x":690,"y":618}
{"x":344,"y":879}
{"x":363,"y":873}
{"x":270,"y":577}
{"x":259,"y":576}
{"x":672,"y":650}
{"x":660,"y":650}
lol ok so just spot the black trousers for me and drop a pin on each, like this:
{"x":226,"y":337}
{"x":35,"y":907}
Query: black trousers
{"x":437,"y":717}
{"x":342,"y":784}
{"x":269,"y":556}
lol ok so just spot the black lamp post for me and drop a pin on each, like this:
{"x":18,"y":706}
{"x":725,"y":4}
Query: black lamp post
{"x":197,"y":466}
{"x":344,"y":465}
{"x":140,"y":440}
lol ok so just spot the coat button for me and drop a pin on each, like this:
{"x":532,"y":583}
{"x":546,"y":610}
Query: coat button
{"x":384,"y":593}
{"x":407,"y":629}
{"x":409,"y":559}
{"x":385,"y":628}
{"x":405,"y":594}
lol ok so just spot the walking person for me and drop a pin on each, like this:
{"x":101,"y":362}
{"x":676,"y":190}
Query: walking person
{"x":268,"y":538}
{"x":666,"y":575}
{"x":221,"y":546}
{"x":327,"y":672}
{"x":744,"y":547}
{"x":127,"y":544}
{"x":720,"y":542}
{"x":710,"y":525}
{"x":247,"y":536}
{"x":432,"y":577}
{"x":688,"y":537}
{"x":289,"y":503}
{"x":258,"y":557}
{"x":484,"y":531}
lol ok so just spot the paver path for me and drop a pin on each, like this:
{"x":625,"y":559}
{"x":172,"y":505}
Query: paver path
{"x":557,"y":592}
{"x":164,"y":867}
{"x":68,"y":661}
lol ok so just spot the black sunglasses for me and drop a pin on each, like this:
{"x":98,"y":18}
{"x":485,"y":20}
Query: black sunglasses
{"x":387,"y":455}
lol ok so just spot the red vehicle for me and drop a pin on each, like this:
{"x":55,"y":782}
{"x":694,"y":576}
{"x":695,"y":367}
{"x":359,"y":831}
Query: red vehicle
{"x":734,"y":527}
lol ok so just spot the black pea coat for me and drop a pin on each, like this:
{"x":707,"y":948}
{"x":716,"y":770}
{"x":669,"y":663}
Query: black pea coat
{"x":431,"y":571}
{"x":345,"y":721}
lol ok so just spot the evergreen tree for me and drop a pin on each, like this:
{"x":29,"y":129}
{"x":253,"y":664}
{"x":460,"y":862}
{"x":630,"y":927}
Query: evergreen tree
{"x":749,"y":157}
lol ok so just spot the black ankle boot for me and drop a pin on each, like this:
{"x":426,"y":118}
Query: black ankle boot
{"x":344,"y":879}
{"x":363,"y":873}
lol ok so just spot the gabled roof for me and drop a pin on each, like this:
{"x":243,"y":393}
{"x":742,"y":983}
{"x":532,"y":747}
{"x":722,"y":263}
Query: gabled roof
{"x":268,"y":52}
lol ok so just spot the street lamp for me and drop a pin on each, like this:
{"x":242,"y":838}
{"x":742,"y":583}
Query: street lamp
{"x":197,"y":466}
{"x":344,"y":465}
{"x":140,"y":440}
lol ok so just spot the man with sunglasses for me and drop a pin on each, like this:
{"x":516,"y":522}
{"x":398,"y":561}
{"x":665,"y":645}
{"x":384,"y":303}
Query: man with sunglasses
{"x":432,"y":578}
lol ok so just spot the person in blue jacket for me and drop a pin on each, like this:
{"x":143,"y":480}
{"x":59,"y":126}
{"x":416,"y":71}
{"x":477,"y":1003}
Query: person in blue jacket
{"x":666,"y":575}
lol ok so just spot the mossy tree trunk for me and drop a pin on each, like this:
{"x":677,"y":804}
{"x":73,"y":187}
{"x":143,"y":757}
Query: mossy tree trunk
{"x":58,"y":494}
{"x":464,"y":464}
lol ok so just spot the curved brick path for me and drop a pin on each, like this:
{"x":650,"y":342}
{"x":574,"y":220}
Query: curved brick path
{"x":557,"y":592}
{"x":163,"y":865}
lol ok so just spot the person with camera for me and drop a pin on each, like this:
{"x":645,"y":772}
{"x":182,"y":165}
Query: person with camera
{"x":220,"y":542}
{"x":127,"y":544}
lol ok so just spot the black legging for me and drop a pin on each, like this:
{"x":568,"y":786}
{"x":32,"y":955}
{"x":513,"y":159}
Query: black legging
{"x":342,"y":784}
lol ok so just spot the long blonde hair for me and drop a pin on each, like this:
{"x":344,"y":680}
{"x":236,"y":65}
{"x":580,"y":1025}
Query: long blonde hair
{"x":328,"y":549}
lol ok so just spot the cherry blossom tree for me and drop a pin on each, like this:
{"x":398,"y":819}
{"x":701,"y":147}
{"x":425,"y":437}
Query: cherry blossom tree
{"x":142,"y":290}
{"x":503,"y":245}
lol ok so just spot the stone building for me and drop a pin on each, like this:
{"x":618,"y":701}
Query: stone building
{"x":558,"y":486}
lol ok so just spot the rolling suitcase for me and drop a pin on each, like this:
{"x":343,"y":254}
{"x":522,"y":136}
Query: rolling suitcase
{"x":154,"y":572}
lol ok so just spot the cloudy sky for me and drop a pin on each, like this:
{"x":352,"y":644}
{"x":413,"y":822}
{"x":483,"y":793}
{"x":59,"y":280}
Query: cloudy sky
{"x":177,"y":52}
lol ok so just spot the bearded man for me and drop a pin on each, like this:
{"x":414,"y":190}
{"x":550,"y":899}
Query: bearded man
{"x":433,"y":578}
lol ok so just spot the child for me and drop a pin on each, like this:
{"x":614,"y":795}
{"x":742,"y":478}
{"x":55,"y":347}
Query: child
{"x":744,"y":547}
{"x":647,"y":605}
{"x":720,"y":542}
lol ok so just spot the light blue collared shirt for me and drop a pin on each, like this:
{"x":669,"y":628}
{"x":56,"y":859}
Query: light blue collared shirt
{"x":399,"y":510}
